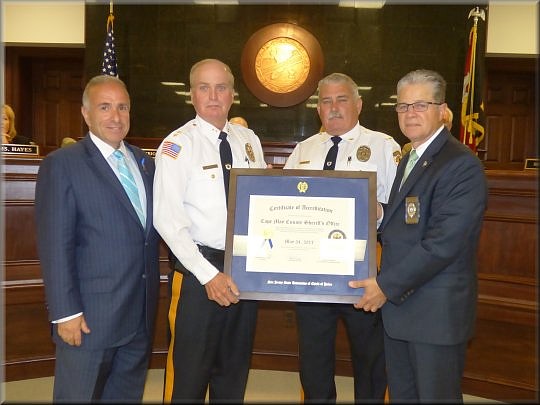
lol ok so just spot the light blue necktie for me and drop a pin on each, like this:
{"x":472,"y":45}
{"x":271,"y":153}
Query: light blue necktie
{"x":413,"y":157}
{"x":128,"y":182}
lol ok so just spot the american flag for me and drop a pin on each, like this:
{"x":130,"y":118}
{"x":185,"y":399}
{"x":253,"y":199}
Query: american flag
{"x":472,"y":101}
{"x":108,"y":66}
{"x":171,"y":149}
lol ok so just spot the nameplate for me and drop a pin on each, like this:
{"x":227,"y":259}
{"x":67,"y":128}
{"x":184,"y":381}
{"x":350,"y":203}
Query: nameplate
{"x":151,"y":152}
{"x":26,"y":150}
{"x":532,"y":163}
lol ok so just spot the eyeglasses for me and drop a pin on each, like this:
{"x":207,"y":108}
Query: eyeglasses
{"x":419,"y":106}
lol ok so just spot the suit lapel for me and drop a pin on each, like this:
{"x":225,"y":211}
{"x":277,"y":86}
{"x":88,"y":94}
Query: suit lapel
{"x":397,"y":195}
{"x":101,"y":168}
{"x":142,"y":164}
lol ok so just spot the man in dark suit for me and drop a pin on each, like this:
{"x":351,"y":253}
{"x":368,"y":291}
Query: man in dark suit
{"x":99,"y":253}
{"x":427,"y":285}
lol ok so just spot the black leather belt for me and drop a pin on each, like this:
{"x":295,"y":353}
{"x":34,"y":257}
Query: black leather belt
{"x":214,"y":256}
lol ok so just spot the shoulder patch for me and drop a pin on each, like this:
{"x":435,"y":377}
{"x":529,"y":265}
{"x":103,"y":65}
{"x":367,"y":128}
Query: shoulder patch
{"x":249,"y":152}
{"x":397,"y":156}
{"x":171,"y":149}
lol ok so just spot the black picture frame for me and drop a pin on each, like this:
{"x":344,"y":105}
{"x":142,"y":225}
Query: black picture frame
{"x":270,"y":192}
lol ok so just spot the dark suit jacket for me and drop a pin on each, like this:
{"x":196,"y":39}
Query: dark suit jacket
{"x":95,"y":255}
{"x":428,"y":269}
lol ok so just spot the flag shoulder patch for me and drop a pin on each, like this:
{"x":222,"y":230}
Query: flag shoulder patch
{"x":171,"y":149}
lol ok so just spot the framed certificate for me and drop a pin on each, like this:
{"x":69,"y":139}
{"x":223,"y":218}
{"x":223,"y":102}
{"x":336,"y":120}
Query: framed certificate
{"x":301,"y":235}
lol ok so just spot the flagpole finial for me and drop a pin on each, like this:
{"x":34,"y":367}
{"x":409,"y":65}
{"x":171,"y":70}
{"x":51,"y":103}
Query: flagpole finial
{"x":477,"y":13}
{"x":111,"y":7}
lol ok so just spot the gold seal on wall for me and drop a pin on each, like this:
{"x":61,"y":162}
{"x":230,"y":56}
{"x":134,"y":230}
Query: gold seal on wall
{"x":249,"y":152}
{"x":282,"y":65}
{"x":363,"y":153}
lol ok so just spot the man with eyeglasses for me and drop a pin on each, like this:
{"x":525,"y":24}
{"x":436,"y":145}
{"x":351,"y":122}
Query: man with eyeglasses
{"x":427,"y":286}
{"x":355,"y":148}
{"x":448,"y":118}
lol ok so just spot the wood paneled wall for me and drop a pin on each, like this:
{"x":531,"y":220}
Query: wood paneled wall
{"x":44,"y":86}
{"x":503,"y":355}
{"x":502,"y":358}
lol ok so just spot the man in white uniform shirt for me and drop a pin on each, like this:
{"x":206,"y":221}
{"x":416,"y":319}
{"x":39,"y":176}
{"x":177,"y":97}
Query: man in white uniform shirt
{"x":359,"y":148}
{"x":211,"y":330}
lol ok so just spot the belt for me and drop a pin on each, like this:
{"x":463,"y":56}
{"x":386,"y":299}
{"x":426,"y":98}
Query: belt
{"x":214,"y":256}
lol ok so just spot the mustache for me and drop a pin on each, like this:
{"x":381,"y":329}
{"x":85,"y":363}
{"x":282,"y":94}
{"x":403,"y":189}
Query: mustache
{"x":334,"y":114}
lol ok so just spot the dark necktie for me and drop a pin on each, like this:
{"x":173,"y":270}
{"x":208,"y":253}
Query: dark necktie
{"x":226,"y":161}
{"x":331,"y":156}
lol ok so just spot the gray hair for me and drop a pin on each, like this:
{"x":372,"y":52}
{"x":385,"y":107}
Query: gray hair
{"x":424,"y":76}
{"x":203,"y":62}
{"x":96,"y":81}
{"x":339,"y":78}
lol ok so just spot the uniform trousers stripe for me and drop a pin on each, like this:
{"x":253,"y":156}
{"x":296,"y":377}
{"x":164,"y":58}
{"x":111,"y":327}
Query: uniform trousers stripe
{"x":213,"y":344}
{"x":175,"y":297}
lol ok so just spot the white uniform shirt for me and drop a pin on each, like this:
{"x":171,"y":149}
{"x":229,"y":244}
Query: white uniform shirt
{"x":189,"y":196}
{"x":359,"y":149}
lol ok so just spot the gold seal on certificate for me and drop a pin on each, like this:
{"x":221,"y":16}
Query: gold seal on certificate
{"x":337,"y":234}
{"x":412,"y":210}
{"x":302,"y":186}
{"x":363,"y":153}
{"x":249,"y":152}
